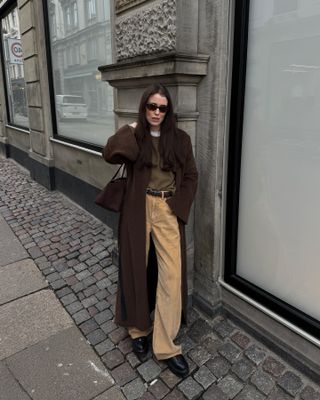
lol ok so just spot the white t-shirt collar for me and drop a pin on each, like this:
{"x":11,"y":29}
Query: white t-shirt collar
{"x":155,"y":133}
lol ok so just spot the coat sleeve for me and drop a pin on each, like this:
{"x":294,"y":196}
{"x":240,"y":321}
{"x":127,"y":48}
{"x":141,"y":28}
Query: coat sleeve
{"x":121,"y":147}
{"x":180,"y":203}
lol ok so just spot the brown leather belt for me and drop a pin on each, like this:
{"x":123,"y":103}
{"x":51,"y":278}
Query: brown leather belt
{"x":160,"y":193}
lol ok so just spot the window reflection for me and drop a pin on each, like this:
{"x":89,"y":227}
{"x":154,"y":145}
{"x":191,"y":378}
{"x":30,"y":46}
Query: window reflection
{"x":80,"y":42}
{"x":279,"y":221}
{"x":13,"y":60}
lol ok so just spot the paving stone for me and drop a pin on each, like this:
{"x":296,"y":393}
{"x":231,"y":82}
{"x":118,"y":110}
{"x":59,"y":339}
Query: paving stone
{"x":123,"y":374}
{"x":80,"y":267}
{"x":134,"y":389}
{"x":241,"y":339}
{"x":186,"y":343}
{"x":230,"y":352}
{"x":74,"y":307}
{"x":96,"y":271}
{"x":214,"y":393}
{"x":78,"y":287}
{"x":35,"y":252}
{"x":204,"y":377}
{"x":255,"y":354}
{"x":190,"y":388}
{"x":103,"y":316}
{"x":230,"y":386}
{"x":102,"y":294}
{"x":250,"y":393}
{"x":147,"y":396}
{"x":118,"y":334}
{"x":278,"y":394}
{"x":273,"y":366}
{"x":149,"y":370}
{"x":218,"y":366}
{"x":58,"y":284}
{"x":158,"y":389}
{"x":309,"y":393}
{"x":89,"y":281}
{"x":68,"y":299}
{"x":92,"y":311}
{"x":63,"y":292}
{"x":67,"y":273}
{"x":133,"y":360}
{"x":169,"y":378}
{"x":262,"y":381}
{"x":91,"y":261}
{"x":125,"y":346}
{"x":199,"y":330}
{"x":113,"y":393}
{"x":199,"y":355}
{"x":224,"y":329}
{"x":104,"y":283}
{"x":88,"y":326}
{"x":113,"y":358}
{"x":90,"y":290}
{"x":102,"y":305}
{"x":174,"y":395}
{"x":290,"y":382}
{"x":108,"y":327}
{"x":81,"y":316}
{"x":104,"y":346}
{"x":82,"y":275}
{"x":96,"y":336}
{"x":212,"y":344}
{"x":52,"y":277}
{"x":243,"y":368}
{"x":89,"y":301}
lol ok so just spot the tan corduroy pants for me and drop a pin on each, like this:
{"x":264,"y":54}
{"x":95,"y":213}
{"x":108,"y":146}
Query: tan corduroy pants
{"x":163,"y":226}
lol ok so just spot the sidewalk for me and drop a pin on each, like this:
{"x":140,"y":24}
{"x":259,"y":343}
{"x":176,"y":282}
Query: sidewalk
{"x":57,"y":295}
{"x":42,"y":353}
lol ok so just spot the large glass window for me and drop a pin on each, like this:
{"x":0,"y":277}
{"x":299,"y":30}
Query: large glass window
{"x":13,"y":67}
{"x":83,"y":103}
{"x":276,"y":250}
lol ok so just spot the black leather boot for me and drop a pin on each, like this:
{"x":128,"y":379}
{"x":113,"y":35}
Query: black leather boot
{"x":178,"y":365}
{"x":140,"y":347}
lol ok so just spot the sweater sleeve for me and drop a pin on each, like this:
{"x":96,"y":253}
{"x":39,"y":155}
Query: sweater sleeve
{"x":121,"y":147}
{"x":181,"y":202}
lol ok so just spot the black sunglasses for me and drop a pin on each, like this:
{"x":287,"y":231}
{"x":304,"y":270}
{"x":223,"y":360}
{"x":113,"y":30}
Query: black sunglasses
{"x":153,"y":107}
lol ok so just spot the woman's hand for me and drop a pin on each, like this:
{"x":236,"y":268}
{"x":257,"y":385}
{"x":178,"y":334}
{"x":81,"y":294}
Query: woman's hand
{"x":134,"y":124}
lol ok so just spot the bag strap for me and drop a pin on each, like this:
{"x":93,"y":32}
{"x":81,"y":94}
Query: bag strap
{"x":122,"y":175}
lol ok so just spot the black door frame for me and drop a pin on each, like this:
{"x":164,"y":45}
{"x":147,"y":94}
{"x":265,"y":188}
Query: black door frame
{"x":283,"y":309}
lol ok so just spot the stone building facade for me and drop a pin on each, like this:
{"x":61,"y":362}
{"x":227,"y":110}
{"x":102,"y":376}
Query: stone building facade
{"x":199,"y":50}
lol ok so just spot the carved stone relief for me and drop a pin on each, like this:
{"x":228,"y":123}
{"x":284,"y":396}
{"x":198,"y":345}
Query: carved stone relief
{"x":148,"y":31}
{"x":122,"y":5}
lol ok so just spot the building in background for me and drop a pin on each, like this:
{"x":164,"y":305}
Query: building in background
{"x":244,"y":80}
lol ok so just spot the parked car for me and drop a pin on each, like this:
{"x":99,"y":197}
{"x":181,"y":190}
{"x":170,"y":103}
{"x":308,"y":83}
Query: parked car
{"x":71,"y":107}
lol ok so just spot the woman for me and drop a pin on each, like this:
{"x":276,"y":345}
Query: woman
{"x":161,"y":184}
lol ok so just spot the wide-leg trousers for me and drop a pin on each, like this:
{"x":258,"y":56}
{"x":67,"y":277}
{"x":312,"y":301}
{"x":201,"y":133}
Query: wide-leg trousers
{"x":162,"y":224}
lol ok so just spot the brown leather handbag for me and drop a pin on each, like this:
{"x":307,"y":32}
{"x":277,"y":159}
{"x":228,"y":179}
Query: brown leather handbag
{"x":112,"y":195}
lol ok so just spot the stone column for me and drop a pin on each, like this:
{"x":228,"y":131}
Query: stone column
{"x":157,"y":41}
{"x":36,"y":77}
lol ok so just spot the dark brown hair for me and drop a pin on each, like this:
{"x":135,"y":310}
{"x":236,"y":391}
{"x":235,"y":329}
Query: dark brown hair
{"x":169,"y":148}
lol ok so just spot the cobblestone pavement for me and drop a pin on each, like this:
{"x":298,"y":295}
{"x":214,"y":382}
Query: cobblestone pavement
{"x":73,"y":251}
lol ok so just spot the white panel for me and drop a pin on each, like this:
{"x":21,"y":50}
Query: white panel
{"x":279,"y":214}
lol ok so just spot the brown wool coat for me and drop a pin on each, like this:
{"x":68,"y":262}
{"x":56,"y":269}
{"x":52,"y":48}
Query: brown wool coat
{"x":137,"y":285}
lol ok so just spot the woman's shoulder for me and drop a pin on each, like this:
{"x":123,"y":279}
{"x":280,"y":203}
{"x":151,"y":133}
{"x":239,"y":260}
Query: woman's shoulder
{"x":124,"y":129}
{"x":183,"y":137}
